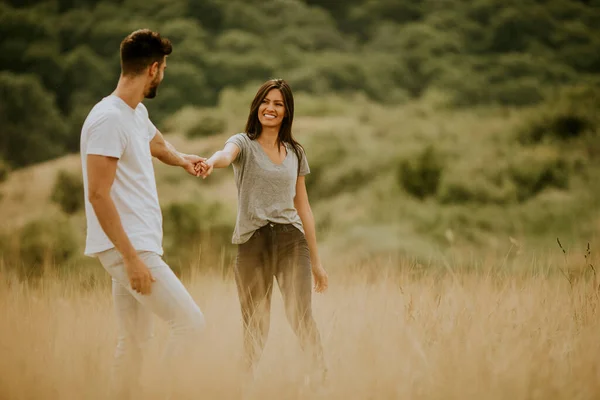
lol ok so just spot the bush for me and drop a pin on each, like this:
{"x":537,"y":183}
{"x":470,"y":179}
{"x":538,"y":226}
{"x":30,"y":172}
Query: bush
{"x":323,"y":152}
{"x":561,"y":124}
{"x":521,"y":92}
{"x":329,"y":71}
{"x":193,"y":230}
{"x":197,"y":122}
{"x":24,"y":103}
{"x":347,"y":179}
{"x":420,"y":176}
{"x":48,"y":241}
{"x":529,"y":171}
{"x":68,"y":192}
{"x":571,"y":114}
{"x":507,"y":79}
{"x":539,"y":168}
{"x":457,"y":188}
{"x":206,"y":125}
{"x":329,"y":104}
{"x":182,"y":221}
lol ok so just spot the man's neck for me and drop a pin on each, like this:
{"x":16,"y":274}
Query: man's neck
{"x":130,"y":90}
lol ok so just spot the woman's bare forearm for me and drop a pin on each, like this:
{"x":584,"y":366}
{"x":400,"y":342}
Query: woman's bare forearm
{"x":308,"y":222}
{"x":220,"y":159}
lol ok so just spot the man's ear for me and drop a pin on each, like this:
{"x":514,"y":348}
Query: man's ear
{"x":153,"y":70}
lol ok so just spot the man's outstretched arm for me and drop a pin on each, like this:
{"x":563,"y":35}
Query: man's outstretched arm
{"x":166,"y":153}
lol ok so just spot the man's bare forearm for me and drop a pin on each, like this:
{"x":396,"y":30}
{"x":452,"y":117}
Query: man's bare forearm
{"x":170,"y":156}
{"x":109,"y":220}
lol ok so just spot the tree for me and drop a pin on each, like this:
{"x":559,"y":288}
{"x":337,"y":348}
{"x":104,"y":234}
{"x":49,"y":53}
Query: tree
{"x":32,"y":128}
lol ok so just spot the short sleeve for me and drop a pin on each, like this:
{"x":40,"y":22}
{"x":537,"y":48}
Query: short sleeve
{"x":240,"y":141}
{"x":151,"y":127}
{"x":151,"y":130}
{"x":106,"y":137}
{"x":304,"y":168}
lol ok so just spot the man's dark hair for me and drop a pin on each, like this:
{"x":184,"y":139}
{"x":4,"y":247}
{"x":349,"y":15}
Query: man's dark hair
{"x":142,"y":48}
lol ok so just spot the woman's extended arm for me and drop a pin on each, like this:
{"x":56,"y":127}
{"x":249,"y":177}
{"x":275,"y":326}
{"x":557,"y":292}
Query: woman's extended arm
{"x":221,"y":159}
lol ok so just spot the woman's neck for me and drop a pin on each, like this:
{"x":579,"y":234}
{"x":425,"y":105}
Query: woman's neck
{"x":269,"y":136}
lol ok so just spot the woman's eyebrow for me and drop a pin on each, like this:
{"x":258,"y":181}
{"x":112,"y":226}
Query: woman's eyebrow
{"x":274,"y":101}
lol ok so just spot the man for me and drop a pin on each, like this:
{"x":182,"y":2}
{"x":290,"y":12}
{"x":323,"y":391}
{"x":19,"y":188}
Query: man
{"x":124,"y":221}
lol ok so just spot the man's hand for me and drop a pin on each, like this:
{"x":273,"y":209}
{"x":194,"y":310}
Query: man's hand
{"x":204,"y":168}
{"x":139,"y":275}
{"x":320,"y":277}
{"x":192,"y":161}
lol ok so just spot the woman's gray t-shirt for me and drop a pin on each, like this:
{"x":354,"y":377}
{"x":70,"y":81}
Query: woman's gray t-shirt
{"x":266,"y":190}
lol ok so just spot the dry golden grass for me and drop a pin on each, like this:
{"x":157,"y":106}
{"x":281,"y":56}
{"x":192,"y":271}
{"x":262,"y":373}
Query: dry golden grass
{"x":406,"y":335}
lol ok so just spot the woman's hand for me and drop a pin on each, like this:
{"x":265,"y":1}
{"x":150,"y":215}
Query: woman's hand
{"x":204,"y":168}
{"x":320,"y":277}
{"x":191,"y":163}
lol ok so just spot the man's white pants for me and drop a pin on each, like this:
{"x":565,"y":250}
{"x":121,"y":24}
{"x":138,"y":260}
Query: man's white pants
{"x":169,"y":300}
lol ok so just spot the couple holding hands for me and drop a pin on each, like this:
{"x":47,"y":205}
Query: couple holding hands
{"x":274,"y":231}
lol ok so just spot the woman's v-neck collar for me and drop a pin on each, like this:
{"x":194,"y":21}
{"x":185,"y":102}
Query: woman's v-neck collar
{"x":264,"y":153}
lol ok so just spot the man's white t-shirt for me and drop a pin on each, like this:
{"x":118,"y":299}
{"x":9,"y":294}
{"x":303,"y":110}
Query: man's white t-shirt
{"x":114,"y":129}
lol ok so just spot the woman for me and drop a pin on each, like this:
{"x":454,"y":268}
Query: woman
{"x":275,"y":228}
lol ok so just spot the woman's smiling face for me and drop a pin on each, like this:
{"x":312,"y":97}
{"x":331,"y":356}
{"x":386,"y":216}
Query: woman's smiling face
{"x":272,"y":109}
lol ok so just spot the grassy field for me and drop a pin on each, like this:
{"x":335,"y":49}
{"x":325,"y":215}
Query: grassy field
{"x":388,"y":333}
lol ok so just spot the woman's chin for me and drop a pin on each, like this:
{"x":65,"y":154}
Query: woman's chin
{"x":270,"y":124}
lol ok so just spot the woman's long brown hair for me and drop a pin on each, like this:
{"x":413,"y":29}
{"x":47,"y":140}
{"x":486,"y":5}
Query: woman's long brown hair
{"x":254,"y":127}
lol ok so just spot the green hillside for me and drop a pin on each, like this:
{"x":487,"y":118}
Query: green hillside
{"x":419,"y":181}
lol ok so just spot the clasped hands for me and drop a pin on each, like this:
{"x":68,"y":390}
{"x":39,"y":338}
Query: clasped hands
{"x":197,"y":166}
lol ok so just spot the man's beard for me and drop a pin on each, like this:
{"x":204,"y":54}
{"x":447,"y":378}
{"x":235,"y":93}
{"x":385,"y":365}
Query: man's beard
{"x":152,"y":91}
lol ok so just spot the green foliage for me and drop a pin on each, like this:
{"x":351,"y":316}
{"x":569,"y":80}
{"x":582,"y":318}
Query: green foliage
{"x":420,"y":175}
{"x":478,"y":182}
{"x":572,"y":116}
{"x":508,"y":79}
{"x":480,"y":52}
{"x":183,"y":222}
{"x":335,"y":72}
{"x":523,"y":167}
{"x":472,"y":187}
{"x":364,"y":16}
{"x":207,"y":125}
{"x":195,"y":122}
{"x":329,"y":152}
{"x":32,"y":128}
{"x":67,"y":192}
{"x":332,"y":105}
{"x":536,"y":169}
{"x":509,"y":177}
{"x":196,"y":233}
{"x":419,"y":49}
{"x":46,"y":243}
{"x":209,"y":13}
{"x":562,"y":125}
{"x":29,"y":43}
